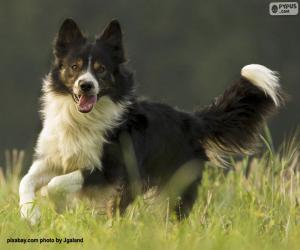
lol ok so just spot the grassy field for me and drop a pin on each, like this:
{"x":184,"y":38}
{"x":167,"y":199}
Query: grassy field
{"x":256,"y":206}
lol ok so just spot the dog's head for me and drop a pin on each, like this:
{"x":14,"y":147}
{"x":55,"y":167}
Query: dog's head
{"x":89,"y":70}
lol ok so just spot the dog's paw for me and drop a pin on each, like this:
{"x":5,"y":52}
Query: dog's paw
{"x":30,"y":213}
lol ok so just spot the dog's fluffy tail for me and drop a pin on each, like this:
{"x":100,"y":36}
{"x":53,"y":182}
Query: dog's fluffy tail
{"x":232,"y":123}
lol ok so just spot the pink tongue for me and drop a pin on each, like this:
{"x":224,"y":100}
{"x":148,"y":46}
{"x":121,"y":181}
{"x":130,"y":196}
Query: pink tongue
{"x":86,"y":103}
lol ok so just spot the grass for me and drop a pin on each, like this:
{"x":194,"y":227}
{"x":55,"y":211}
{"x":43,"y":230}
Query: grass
{"x":254,"y":206}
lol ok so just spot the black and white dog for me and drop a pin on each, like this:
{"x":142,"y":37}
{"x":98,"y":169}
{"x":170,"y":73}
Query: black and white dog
{"x":89,"y":105}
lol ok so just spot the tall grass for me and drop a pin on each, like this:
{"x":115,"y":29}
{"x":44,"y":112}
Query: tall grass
{"x":255,"y":205}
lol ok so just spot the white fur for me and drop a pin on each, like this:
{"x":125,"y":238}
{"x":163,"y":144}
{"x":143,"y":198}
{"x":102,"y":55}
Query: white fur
{"x":71,"y":140}
{"x":264,"y":78}
{"x":38,"y":175}
{"x":67,"y":183}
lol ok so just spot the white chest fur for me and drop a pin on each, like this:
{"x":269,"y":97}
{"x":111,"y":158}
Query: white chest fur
{"x":71,"y":140}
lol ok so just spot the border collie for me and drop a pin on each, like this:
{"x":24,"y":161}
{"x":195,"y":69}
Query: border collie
{"x":96,"y":132}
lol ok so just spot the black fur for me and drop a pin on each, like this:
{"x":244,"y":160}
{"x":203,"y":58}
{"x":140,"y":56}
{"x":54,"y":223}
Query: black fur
{"x":234,"y":120}
{"x":163,"y":138}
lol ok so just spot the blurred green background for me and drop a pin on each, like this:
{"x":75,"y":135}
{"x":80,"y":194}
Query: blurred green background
{"x":183,"y":52}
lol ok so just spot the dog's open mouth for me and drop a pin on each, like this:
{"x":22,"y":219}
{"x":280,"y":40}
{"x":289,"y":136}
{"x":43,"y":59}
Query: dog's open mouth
{"x":85,"y":103}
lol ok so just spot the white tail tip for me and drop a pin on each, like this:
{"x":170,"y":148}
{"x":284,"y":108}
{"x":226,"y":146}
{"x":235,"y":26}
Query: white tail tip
{"x":264,"y":78}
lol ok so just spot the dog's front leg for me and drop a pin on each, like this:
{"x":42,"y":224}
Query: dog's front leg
{"x":38,"y":175}
{"x":60,"y":186}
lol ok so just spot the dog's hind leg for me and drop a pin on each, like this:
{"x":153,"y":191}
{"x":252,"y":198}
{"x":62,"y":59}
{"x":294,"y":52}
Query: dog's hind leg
{"x":188,"y":198}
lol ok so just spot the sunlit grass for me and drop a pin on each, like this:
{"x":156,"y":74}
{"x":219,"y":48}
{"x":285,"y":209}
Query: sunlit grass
{"x":253,"y":206}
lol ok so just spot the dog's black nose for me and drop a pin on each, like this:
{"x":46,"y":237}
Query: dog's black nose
{"x":86,"y":86}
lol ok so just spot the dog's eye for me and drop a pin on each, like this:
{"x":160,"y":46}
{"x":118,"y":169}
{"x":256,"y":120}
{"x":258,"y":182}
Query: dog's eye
{"x":74,"y":67}
{"x":101,"y":69}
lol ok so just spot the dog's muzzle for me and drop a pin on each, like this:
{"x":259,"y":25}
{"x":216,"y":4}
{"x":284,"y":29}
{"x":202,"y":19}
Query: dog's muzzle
{"x":86,"y":97}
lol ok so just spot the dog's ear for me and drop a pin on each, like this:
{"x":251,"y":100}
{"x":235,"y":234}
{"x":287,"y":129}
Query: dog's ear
{"x":69,"y":35}
{"x":112,"y":39}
